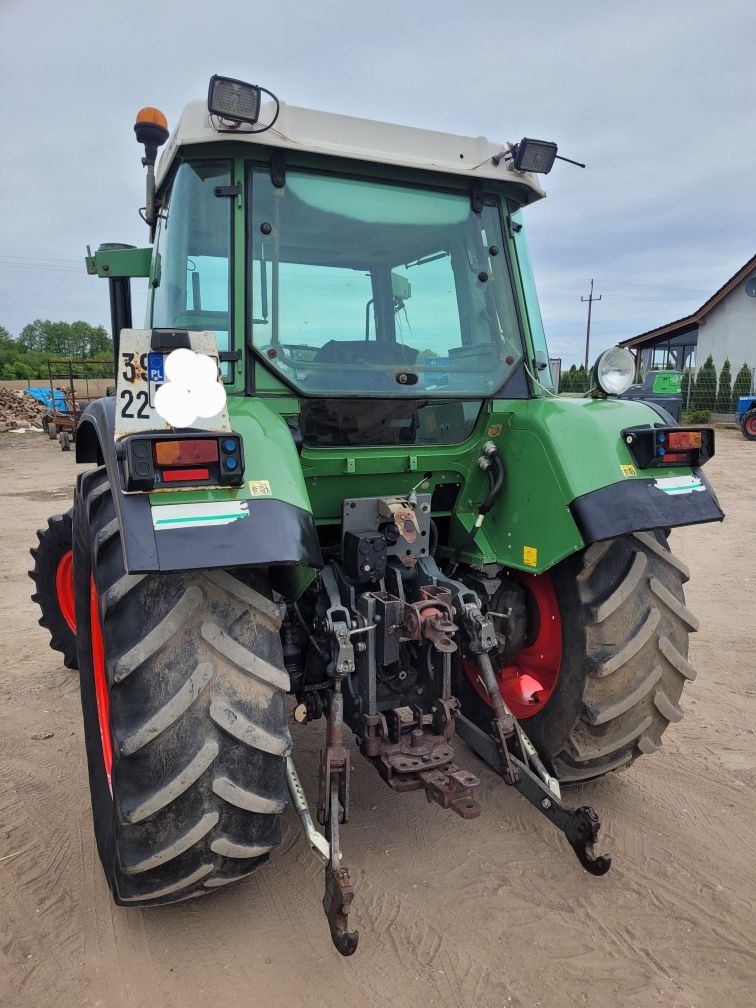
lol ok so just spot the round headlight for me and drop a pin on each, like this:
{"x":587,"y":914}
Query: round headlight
{"x":614,"y":371}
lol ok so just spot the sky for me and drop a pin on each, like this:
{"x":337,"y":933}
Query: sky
{"x":656,"y":98}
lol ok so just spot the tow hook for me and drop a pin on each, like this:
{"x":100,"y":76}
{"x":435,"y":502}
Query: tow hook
{"x":509,"y":751}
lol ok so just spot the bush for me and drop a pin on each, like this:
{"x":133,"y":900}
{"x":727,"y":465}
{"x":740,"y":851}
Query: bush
{"x":696,"y":416}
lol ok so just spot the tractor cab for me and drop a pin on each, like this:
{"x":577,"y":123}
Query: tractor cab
{"x":354,"y":286}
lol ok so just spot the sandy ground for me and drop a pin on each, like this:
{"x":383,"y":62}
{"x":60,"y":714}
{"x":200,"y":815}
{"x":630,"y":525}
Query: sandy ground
{"x":495,"y":912}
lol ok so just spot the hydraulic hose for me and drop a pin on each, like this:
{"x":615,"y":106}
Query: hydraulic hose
{"x":494,"y":470}
{"x":433,"y":538}
{"x":496,"y":483}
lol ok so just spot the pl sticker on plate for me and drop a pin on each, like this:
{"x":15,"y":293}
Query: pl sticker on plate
{"x":155,"y":374}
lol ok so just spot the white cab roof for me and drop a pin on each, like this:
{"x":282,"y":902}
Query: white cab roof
{"x":307,"y":130}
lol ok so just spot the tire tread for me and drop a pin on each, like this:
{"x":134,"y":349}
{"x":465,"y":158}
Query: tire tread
{"x":636,"y":626}
{"x":199,"y":728}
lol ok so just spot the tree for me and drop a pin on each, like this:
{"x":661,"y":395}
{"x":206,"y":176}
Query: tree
{"x":581,"y":380}
{"x":16,"y":364}
{"x":724,"y":389}
{"x":78,"y":340}
{"x":705,"y":394}
{"x":742,"y":386}
{"x":27,"y":356}
{"x":567,"y":383}
{"x":687,"y":387}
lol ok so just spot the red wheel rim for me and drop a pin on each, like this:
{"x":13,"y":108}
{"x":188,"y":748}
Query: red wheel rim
{"x":100,"y":682}
{"x":64,"y":589}
{"x":751,"y":426}
{"x":528,"y":682}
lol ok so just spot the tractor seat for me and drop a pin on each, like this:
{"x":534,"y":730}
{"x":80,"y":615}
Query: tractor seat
{"x":365,"y":352}
{"x":383,"y":359}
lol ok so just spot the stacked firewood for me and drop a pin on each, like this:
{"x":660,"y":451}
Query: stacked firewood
{"x":17,"y":409}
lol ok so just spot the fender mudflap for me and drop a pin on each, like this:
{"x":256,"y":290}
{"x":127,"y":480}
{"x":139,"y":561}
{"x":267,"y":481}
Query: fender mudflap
{"x":263,"y":532}
{"x":640,"y":505}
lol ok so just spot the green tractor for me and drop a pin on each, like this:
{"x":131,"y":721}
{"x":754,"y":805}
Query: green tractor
{"x":334,"y":469}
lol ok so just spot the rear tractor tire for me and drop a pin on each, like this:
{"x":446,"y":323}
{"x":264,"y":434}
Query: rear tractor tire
{"x":52,"y":431}
{"x":52,"y":575}
{"x":624,"y":647}
{"x":183,"y":694}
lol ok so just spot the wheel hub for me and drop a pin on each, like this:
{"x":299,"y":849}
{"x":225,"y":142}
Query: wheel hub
{"x":100,"y":682}
{"x":65,"y":590}
{"x":527,"y":682}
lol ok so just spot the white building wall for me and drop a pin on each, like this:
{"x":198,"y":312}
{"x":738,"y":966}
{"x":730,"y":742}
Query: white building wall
{"x":729,"y":332}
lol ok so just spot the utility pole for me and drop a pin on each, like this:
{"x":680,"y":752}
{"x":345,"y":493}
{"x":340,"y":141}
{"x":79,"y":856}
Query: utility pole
{"x":590,"y":299}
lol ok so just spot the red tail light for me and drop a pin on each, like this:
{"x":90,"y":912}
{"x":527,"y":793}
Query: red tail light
{"x":180,"y":475}
{"x":185,"y":452}
{"x":683,"y":440}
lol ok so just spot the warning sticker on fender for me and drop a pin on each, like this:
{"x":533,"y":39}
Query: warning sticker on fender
{"x":679,"y":484}
{"x":173,"y":516}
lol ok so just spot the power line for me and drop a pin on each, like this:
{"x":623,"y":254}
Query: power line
{"x":14,"y":256}
{"x":545,"y":295}
{"x":590,"y":299}
{"x":694,"y":292}
{"x":42,"y":266}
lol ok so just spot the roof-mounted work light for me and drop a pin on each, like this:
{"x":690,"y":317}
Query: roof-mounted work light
{"x":237,"y":103}
{"x":535,"y":155}
{"x":233,"y":100}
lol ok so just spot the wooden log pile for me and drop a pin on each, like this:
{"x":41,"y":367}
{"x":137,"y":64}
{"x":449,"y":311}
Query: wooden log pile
{"x":17,"y":409}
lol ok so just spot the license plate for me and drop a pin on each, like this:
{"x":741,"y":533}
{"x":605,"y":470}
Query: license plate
{"x":141,"y":372}
{"x":135,"y":394}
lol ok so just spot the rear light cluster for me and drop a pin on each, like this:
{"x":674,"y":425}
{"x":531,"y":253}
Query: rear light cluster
{"x":151,"y":461}
{"x":669,"y":446}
